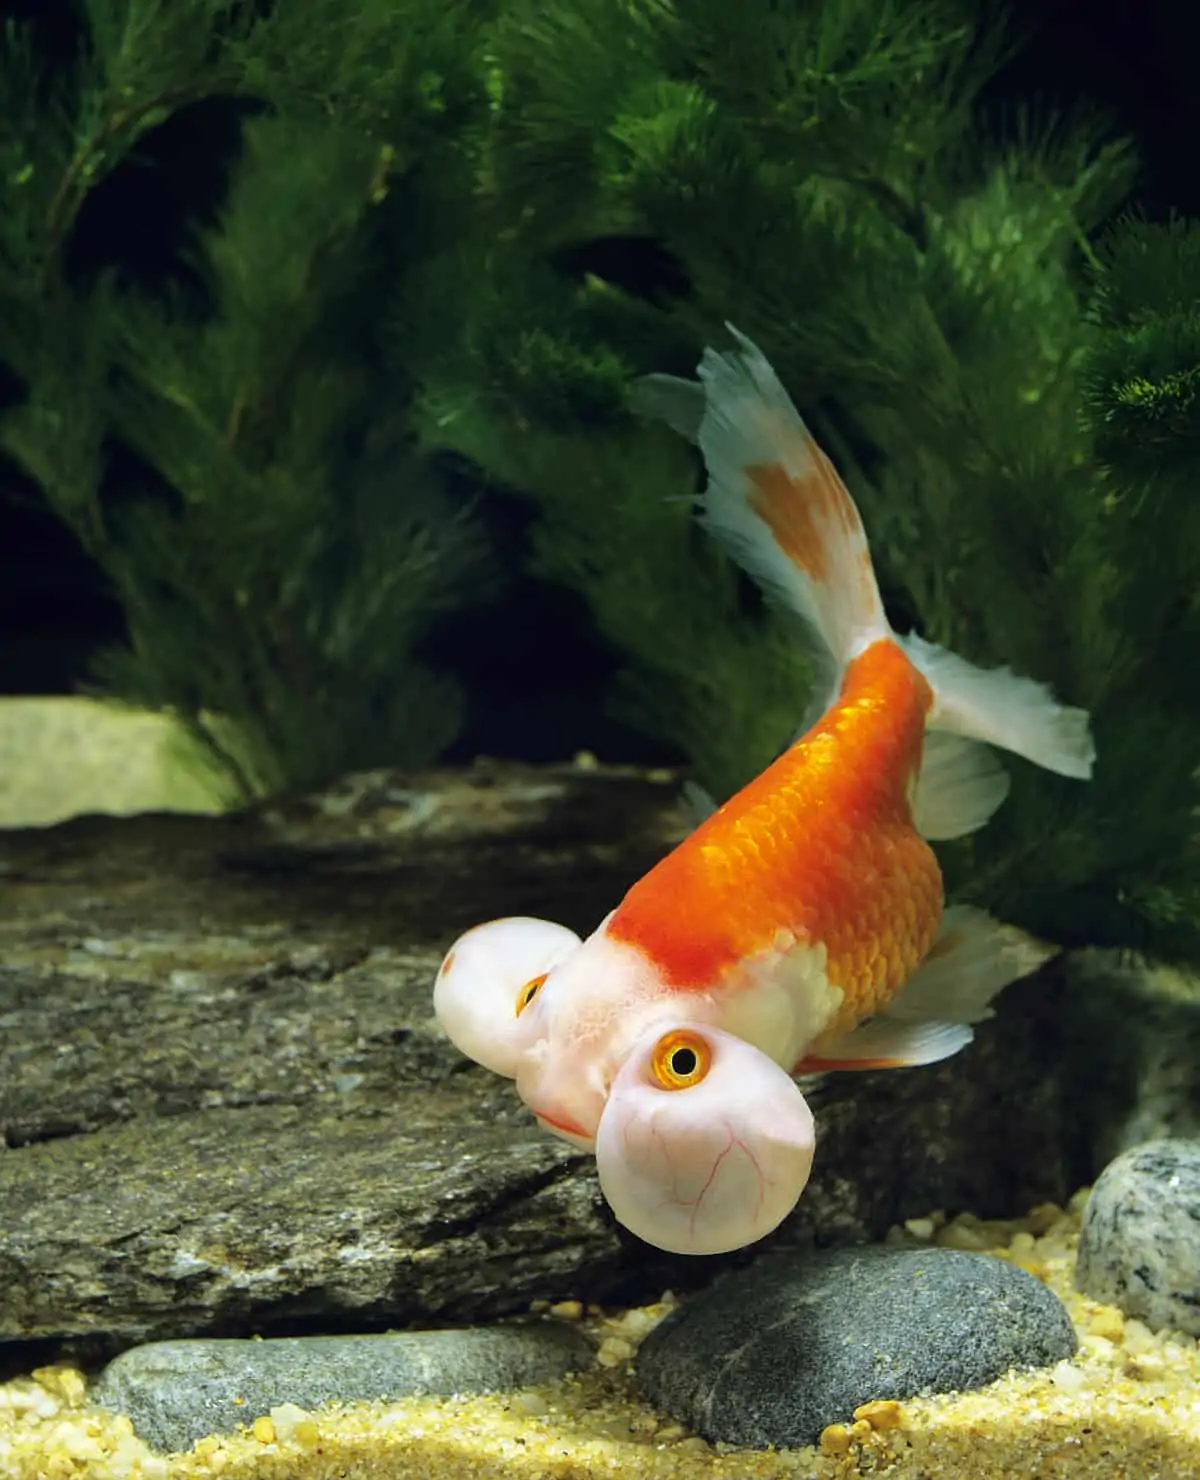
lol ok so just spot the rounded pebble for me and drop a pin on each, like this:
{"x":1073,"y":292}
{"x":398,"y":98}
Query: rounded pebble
{"x":180,"y":1391}
{"x":1139,"y":1246}
{"x":776,"y":1353}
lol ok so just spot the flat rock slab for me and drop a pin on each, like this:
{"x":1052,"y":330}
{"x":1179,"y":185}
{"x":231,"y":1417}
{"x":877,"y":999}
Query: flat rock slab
{"x":176,"y":1392}
{"x":275,"y":1217}
{"x":773,"y":1354}
{"x":228,"y":1109}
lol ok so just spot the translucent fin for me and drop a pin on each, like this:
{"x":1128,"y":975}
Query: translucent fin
{"x":973,"y":959}
{"x":774,"y":500}
{"x":1013,"y":713}
{"x":697,"y":804}
{"x":961,"y":784}
{"x":826,"y":684}
{"x":680,"y":403}
{"x":883,"y":1043}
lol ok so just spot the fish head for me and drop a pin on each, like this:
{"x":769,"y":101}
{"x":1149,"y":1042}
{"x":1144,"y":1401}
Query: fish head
{"x":705,"y":1143}
{"x":528,"y":999}
{"x":581,"y":1023}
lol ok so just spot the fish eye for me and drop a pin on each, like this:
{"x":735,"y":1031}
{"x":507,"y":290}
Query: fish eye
{"x":529,"y":991}
{"x":680,"y":1060}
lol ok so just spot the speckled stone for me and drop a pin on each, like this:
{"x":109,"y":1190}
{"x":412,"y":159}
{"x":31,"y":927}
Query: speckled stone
{"x":176,"y":1392}
{"x":1140,"y":1244}
{"x":774,"y":1353}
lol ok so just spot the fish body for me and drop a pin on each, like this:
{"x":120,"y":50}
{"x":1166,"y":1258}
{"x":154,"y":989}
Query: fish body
{"x":801,"y":925}
{"x":820,"y":852}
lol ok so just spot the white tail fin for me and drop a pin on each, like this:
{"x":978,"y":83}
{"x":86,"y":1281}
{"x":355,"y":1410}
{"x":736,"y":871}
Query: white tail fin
{"x":773,"y":498}
{"x":995,"y":705}
{"x":778,"y":505}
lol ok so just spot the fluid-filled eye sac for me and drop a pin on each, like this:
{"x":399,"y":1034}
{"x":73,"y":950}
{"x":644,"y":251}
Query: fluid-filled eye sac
{"x":489,"y":978}
{"x":705,"y":1144}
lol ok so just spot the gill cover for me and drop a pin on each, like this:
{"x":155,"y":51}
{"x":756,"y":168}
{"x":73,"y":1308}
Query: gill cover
{"x":705,"y":1144}
{"x":487,"y":979}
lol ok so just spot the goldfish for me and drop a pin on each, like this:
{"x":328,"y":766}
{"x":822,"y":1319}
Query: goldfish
{"x":802,"y":926}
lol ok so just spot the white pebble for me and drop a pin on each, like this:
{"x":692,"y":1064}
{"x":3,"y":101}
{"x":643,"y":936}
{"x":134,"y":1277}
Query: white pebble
{"x":1068,"y":1377}
{"x":1098,"y":1346}
{"x":1147,"y":1367}
{"x":613,"y":1352}
{"x":129,"y":1458}
{"x":637,"y":1323}
{"x":79,"y":1446}
{"x":963,"y":1235}
{"x":921,"y":1228}
{"x":1138,"y":1336}
{"x":286,"y":1417}
{"x":531,"y":1403}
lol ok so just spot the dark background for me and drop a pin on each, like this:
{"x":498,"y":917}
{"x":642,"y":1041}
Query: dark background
{"x":534,"y":671}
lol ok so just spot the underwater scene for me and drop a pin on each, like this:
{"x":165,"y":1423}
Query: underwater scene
{"x":599,"y":740}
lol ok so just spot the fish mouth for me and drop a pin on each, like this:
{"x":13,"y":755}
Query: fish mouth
{"x":563,"y":1127}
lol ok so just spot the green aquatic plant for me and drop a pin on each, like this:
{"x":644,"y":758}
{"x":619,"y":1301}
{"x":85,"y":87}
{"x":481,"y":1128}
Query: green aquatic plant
{"x":1002,"y":402}
{"x":468,"y":228}
{"x":229,"y":447}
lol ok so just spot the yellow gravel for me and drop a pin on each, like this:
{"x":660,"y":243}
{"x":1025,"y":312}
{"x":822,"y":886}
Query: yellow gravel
{"x":1126,"y":1408}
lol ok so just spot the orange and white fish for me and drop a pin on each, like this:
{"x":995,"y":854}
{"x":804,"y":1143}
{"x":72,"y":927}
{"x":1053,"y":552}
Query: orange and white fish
{"x":800,"y":927}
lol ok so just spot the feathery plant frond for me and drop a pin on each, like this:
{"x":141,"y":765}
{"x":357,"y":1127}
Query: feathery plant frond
{"x":1007,"y":397}
{"x":243,"y":469}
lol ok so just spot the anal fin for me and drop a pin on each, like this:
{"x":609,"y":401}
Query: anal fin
{"x":969,"y":964}
{"x":973,"y":959}
{"x":696,"y":803}
{"x":883,"y":1043}
{"x":961,"y":784}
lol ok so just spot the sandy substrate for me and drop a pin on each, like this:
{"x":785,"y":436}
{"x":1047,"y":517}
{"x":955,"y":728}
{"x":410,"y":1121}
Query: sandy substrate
{"x":1126,"y":1408}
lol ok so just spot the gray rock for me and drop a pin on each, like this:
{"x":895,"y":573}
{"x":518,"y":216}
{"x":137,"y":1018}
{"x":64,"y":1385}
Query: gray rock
{"x":1134,"y":1032}
{"x":176,"y":1392}
{"x":774,"y":1353}
{"x":1139,"y":1248}
{"x":278,"y":1218}
{"x":228,"y":1107}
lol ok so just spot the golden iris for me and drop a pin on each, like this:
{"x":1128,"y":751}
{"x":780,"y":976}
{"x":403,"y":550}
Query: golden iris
{"x":680,"y":1059}
{"x":529,"y":991}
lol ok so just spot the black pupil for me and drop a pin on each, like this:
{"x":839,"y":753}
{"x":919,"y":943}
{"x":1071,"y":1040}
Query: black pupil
{"x":531,"y":991}
{"x":683,"y":1062}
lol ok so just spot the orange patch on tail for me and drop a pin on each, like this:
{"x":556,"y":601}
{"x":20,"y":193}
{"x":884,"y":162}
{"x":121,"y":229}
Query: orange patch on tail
{"x":794,"y":510}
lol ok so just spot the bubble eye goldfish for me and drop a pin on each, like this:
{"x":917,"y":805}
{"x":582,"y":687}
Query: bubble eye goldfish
{"x":801,"y":927}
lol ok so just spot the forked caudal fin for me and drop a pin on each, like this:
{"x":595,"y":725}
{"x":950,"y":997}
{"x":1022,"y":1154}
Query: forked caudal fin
{"x":776,"y":502}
